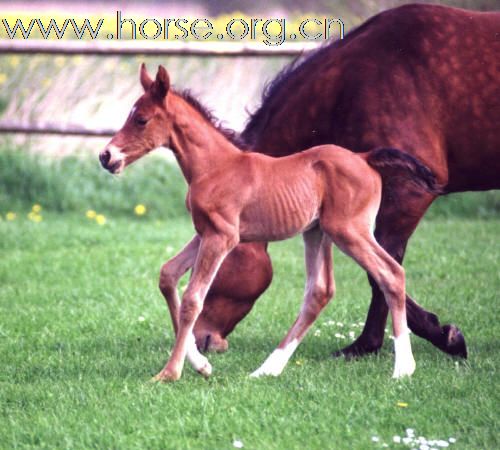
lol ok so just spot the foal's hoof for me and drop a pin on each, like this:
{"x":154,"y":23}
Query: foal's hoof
{"x":454,"y":341}
{"x":166,"y":376}
{"x":356,"y":350}
{"x":206,"y":370}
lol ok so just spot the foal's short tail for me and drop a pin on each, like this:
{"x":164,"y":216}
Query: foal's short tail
{"x":390,"y":162}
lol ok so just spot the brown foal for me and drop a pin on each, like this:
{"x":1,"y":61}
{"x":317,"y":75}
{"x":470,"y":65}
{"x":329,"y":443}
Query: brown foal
{"x":327,"y":193}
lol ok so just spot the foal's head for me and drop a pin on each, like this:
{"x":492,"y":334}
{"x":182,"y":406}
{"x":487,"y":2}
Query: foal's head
{"x":147,"y":125}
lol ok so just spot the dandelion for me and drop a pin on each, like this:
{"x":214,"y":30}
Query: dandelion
{"x":34,"y":217}
{"x":100,"y":219}
{"x":36,"y":208}
{"x":91,"y":214}
{"x":237,"y":444}
{"x":3,"y":78}
{"x":299,"y":362}
{"x":402,"y":404}
{"x":140,"y":209}
{"x":59,"y":61}
{"x":11,"y":216}
{"x":14,"y":61}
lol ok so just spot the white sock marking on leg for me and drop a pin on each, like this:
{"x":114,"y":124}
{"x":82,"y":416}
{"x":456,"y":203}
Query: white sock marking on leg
{"x":198,"y":361}
{"x":276,"y":361}
{"x":404,"y":364}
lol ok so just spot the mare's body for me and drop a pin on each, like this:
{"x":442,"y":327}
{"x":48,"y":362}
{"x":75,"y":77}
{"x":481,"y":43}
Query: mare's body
{"x":424,"y":79}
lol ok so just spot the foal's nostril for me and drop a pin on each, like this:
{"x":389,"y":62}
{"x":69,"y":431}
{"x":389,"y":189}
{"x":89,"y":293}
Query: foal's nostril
{"x":104,"y":157}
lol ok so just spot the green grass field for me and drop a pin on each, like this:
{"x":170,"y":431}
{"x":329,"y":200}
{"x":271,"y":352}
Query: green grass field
{"x":83,"y":328}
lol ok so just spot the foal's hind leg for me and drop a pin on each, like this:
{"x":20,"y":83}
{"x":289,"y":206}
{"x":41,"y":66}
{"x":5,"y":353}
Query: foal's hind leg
{"x":356,"y":240}
{"x":318,"y":292}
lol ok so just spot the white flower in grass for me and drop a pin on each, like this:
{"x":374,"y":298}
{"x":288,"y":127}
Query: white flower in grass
{"x":410,"y":431}
{"x":396,"y":439}
{"x":442,"y":443}
{"x":237,"y":444}
{"x":351,"y":334}
{"x":375,"y":439}
{"x":317,"y":333}
{"x":141,"y":319}
{"x":452,"y":440}
{"x":169,"y":249}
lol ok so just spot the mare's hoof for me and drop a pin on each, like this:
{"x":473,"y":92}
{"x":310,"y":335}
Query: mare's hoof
{"x":454,"y":341}
{"x":356,"y":350}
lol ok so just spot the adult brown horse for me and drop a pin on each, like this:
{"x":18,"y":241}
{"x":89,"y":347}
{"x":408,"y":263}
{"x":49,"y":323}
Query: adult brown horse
{"x":424,"y":79}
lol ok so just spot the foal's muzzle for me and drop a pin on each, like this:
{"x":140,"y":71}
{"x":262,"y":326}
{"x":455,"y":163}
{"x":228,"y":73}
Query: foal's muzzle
{"x":112,"y":163}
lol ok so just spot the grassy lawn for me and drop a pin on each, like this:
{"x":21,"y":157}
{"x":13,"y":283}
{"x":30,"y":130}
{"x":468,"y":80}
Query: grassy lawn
{"x":83,"y":328}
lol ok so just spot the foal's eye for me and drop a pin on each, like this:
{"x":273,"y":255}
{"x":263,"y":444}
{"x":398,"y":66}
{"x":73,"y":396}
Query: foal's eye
{"x":141,"y":121}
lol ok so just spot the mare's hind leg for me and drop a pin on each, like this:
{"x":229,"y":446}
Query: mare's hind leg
{"x":356,"y":241}
{"x":318,"y":292}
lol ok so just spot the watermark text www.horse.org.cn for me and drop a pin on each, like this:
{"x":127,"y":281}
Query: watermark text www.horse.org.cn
{"x":272,"y":32}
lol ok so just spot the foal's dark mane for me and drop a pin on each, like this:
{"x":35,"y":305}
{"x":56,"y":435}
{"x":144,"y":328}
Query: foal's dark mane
{"x":231,"y":135}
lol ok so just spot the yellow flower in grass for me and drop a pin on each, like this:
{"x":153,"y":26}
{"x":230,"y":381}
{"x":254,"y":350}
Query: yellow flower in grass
{"x":59,"y":61}
{"x":11,"y":216}
{"x":100,"y":219}
{"x":91,"y":214}
{"x":14,"y":61}
{"x":402,"y":404}
{"x":35,"y":217}
{"x":140,"y":209}
{"x":36,"y":208}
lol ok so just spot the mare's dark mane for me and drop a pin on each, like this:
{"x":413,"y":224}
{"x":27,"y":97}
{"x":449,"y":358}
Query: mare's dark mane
{"x":281,"y":81}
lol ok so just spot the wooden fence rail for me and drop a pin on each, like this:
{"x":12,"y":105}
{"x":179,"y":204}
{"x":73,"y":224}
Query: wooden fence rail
{"x":108,"y":48}
{"x":127,"y":48}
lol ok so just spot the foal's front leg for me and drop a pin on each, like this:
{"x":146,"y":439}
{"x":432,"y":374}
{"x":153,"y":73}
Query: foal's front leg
{"x":212,"y":251}
{"x":171,"y":273}
{"x":320,"y":287}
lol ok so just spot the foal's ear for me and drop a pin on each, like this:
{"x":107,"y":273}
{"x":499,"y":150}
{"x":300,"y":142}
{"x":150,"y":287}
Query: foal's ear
{"x":145,"y":78}
{"x":161,"y":85}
